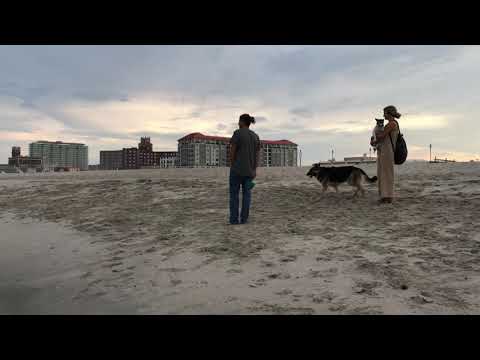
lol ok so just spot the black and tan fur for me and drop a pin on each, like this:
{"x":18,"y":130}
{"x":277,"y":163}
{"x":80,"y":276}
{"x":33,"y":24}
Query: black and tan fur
{"x":334,"y":176}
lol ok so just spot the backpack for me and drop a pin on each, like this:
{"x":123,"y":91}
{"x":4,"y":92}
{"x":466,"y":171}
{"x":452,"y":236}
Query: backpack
{"x":400,"y":150}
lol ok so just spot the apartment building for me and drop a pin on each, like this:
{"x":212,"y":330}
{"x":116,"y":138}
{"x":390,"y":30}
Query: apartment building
{"x":57,"y":154}
{"x":198,"y":150}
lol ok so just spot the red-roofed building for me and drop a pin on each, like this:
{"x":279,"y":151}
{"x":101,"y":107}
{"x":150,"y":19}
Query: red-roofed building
{"x":199,"y":150}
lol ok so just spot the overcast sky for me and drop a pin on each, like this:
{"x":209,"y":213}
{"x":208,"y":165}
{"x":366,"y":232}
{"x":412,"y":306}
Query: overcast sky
{"x":316,"y":96}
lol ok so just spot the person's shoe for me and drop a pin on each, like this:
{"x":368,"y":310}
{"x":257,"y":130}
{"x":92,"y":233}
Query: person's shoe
{"x":233,"y":223}
{"x":385,"y":201}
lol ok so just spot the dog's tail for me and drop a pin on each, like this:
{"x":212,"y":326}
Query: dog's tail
{"x":370,"y":180}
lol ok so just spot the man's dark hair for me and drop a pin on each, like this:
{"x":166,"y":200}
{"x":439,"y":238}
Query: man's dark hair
{"x":247,"y":119}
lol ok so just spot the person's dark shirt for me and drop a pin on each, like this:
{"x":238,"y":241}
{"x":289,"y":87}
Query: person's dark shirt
{"x":247,"y":143}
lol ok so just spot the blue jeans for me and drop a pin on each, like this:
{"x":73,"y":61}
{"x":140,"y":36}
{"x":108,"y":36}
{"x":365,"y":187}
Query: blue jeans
{"x":235,"y":182}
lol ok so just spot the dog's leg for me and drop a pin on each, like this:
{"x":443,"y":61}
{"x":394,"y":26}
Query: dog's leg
{"x":336,"y":188}
{"x":358,"y":188}
{"x":362,"y":190}
{"x":355,"y":194}
{"x":325,"y":185}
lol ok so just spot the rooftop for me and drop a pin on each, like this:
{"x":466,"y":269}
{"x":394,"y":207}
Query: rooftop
{"x":200,"y":136}
{"x":56,"y":142}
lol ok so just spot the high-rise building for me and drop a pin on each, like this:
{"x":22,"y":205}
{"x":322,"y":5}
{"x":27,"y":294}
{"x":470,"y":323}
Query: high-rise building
{"x":278,"y":153}
{"x":58,"y":154}
{"x":198,"y":150}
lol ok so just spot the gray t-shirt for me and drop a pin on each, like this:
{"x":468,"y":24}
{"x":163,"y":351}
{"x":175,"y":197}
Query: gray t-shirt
{"x":248,"y":143}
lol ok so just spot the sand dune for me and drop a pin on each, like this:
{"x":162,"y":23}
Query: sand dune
{"x":161,"y":244}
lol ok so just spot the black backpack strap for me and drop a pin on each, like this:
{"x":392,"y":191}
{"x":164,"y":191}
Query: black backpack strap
{"x":396,"y":122}
{"x":390,"y":134}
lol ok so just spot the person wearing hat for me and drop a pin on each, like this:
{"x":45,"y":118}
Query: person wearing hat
{"x":385,"y":155}
{"x":244,"y":156}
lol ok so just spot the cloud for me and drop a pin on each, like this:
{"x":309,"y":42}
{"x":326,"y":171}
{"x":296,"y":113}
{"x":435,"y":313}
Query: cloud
{"x":317,"y":96}
{"x":302,"y":111}
{"x":260,"y":119}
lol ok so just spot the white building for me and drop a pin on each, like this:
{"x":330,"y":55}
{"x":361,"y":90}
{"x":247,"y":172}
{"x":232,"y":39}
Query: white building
{"x":60,"y":155}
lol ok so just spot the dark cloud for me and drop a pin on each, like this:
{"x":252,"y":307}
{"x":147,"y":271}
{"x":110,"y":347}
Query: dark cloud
{"x":93,"y":95}
{"x":96,"y":133}
{"x":196,"y":114}
{"x":302,"y":111}
{"x":260,"y":119}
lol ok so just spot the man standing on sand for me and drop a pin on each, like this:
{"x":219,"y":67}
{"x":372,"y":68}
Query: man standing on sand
{"x":244,"y":152}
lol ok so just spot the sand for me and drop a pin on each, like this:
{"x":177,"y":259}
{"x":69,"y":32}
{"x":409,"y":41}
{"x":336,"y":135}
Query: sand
{"x":157,"y":242}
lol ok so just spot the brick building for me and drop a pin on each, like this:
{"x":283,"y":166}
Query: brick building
{"x":137,"y":158}
{"x":198,"y":150}
{"x":24,"y":163}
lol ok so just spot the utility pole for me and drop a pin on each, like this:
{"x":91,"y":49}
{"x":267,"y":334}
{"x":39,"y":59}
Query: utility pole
{"x":430,"y":152}
{"x":300,"y":158}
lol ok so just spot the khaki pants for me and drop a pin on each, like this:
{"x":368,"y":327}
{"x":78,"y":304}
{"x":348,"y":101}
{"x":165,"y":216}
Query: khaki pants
{"x":385,"y":174}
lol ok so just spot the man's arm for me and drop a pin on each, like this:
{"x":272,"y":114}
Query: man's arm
{"x":233,"y":153}
{"x":257,"y":158}
{"x":233,"y":147}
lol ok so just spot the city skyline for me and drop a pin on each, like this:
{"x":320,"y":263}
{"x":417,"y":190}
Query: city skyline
{"x":320,"y":97}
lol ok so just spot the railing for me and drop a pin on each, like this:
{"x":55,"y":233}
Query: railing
{"x":441,"y":160}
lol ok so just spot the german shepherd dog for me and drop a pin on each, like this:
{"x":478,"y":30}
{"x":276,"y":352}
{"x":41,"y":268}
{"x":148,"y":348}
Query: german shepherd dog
{"x":334,"y":176}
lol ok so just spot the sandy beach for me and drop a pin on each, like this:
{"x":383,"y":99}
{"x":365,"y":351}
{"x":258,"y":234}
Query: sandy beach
{"x":157,"y":242}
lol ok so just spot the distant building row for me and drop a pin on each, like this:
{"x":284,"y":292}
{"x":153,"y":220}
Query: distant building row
{"x":195,"y":150}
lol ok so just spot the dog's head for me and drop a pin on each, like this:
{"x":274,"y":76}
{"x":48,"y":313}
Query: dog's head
{"x":314,"y":170}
